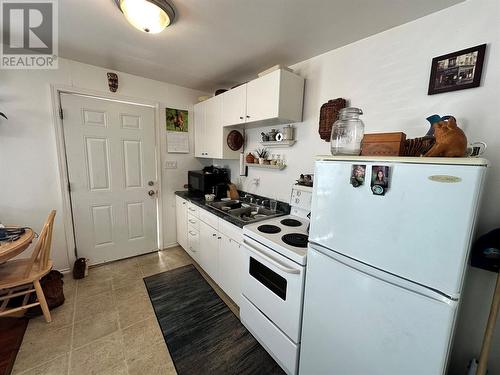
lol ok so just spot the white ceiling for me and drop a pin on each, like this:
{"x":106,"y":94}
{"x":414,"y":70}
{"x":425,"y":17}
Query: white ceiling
{"x":217,"y":43}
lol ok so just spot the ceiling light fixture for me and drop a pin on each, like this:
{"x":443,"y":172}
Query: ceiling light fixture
{"x":150,"y":16}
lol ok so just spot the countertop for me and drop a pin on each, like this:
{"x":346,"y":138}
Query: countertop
{"x":200,"y":202}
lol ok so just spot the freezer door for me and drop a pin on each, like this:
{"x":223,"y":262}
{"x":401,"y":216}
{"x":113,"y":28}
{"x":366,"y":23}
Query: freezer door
{"x":420,"y":229}
{"x":356,"y":323}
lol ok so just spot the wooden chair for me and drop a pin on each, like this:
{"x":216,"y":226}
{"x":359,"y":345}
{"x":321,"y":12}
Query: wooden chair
{"x":21,"y":277}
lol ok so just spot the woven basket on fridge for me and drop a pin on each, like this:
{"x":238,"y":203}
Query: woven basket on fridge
{"x":328,"y":115}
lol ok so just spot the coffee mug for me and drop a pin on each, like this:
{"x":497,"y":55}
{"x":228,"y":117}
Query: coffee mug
{"x":476,"y":149}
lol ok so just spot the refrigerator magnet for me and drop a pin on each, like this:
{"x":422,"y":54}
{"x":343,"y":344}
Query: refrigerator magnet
{"x":380,"y":179}
{"x":358,"y":173}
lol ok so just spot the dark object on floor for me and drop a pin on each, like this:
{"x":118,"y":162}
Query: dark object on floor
{"x":328,"y":115}
{"x":202,"y":334}
{"x":486,"y":255}
{"x":486,"y":251}
{"x":11,"y":336}
{"x":80,"y":269}
{"x":52,"y":286}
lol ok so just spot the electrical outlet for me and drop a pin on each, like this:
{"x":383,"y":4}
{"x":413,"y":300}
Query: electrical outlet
{"x":171,"y":164}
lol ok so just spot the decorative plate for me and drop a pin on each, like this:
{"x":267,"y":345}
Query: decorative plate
{"x":235,"y":140}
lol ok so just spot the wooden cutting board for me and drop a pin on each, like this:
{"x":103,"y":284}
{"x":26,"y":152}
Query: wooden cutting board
{"x":232,"y":192}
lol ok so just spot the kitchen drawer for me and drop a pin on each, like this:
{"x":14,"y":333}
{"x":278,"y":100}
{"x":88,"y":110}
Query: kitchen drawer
{"x":193,"y":209}
{"x":209,"y":219}
{"x":193,"y":222}
{"x":277,"y":344}
{"x":231,"y":230}
{"x":193,"y":242}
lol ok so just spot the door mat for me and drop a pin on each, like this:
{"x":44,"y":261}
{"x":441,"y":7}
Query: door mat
{"x":202,"y":334}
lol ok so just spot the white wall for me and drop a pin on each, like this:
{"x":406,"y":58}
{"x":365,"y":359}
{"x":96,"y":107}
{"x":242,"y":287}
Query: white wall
{"x":387,"y":76}
{"x":29,"y":177}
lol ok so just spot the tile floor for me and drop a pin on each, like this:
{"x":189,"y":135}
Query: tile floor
{"x":107,"y":324}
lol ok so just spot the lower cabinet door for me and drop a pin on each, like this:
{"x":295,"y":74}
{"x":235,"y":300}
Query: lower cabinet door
{"x":230,"y":267}
{"x":181,"y":221}
{"x":209,"y":250}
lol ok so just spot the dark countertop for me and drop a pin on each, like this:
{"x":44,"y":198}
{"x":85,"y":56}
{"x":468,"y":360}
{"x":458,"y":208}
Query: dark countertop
{"x":200,"y":202}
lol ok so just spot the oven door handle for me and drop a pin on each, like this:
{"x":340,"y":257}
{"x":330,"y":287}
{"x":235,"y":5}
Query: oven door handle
{"x":271,"y":260}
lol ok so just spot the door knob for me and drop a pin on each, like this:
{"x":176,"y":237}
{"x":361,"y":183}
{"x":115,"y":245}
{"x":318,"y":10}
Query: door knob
{"x":151,"y":183}
{"x":151,"y":193}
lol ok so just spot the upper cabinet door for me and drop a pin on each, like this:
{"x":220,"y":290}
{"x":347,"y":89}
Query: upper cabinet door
{"x":263,"y":95}
{"x":234,"y":106}
{"x":199,"y":130}
{"x":212,"y":139}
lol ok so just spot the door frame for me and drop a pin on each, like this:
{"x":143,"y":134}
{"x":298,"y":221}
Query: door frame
{"x":67,"y":217}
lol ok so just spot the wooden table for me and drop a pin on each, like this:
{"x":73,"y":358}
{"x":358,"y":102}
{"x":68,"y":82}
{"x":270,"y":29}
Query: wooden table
{"x":10,"y":249}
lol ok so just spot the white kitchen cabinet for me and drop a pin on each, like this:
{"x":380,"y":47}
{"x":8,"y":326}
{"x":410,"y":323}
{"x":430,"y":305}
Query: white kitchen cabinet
{"x":181,"y":221}
{"x":210,"y":135}
{"x":213,"y":243}
{"x":273,"y":99}
{"x":209,"y":250}
{"x":234,"y":106}
{"x":231,"y":262}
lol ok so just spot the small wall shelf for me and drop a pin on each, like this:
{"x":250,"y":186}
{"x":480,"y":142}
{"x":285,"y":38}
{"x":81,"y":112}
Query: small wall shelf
{"x":265,"y":166}
{"x":287,"y":143}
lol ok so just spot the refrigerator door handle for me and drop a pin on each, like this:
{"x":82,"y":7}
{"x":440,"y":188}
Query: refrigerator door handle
{"x":385,"y":276}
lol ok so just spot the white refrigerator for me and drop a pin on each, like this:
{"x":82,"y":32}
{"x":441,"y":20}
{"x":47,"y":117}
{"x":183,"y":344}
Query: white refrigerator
{"x":385,"y":272}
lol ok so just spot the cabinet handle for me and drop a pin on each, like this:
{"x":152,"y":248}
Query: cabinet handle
{"x":213,"y":235}
{"x":241,"y":117}
{"x":219,"y":238}
{"x":192,"y":221}
{"x":184,"y":203}
{"x":192,"y":209}
{"x":248,"y":116}
{"x":192,"y":234}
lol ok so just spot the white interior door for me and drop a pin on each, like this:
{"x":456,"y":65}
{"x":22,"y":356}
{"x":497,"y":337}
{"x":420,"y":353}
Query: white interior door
{"x":110,"y":150}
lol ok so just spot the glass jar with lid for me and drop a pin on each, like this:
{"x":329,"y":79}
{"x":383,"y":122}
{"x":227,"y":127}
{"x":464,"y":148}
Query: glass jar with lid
{"x":347,"y":132}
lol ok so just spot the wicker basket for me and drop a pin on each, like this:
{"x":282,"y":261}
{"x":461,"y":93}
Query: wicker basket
{"x":328,"y":115}
{"x":418,"y":146}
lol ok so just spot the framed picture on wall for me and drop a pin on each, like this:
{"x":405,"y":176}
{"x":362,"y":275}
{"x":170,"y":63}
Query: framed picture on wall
{"x":176,"y":120}
{"x":457,"y":71}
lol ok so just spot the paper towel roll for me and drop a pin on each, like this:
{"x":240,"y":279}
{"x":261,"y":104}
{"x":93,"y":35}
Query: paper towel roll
{"x":242,"y":165}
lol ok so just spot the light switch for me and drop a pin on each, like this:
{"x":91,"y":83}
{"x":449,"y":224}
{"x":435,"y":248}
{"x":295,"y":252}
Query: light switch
{"x":171,"y":164}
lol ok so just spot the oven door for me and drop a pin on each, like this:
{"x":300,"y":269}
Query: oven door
{"x":274,"y":285}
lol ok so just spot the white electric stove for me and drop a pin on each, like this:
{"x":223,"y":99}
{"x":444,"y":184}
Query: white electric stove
{"x":273,"y":283}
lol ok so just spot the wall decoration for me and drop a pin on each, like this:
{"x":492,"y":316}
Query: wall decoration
{"x":328,"y":115}
{"x":457,"y":71}
{"x":176,"y":120}
{"x":380,"y":179}
{"x":177,"y":143}
{"x":358,"y":175}
{"x":112,"y":81}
